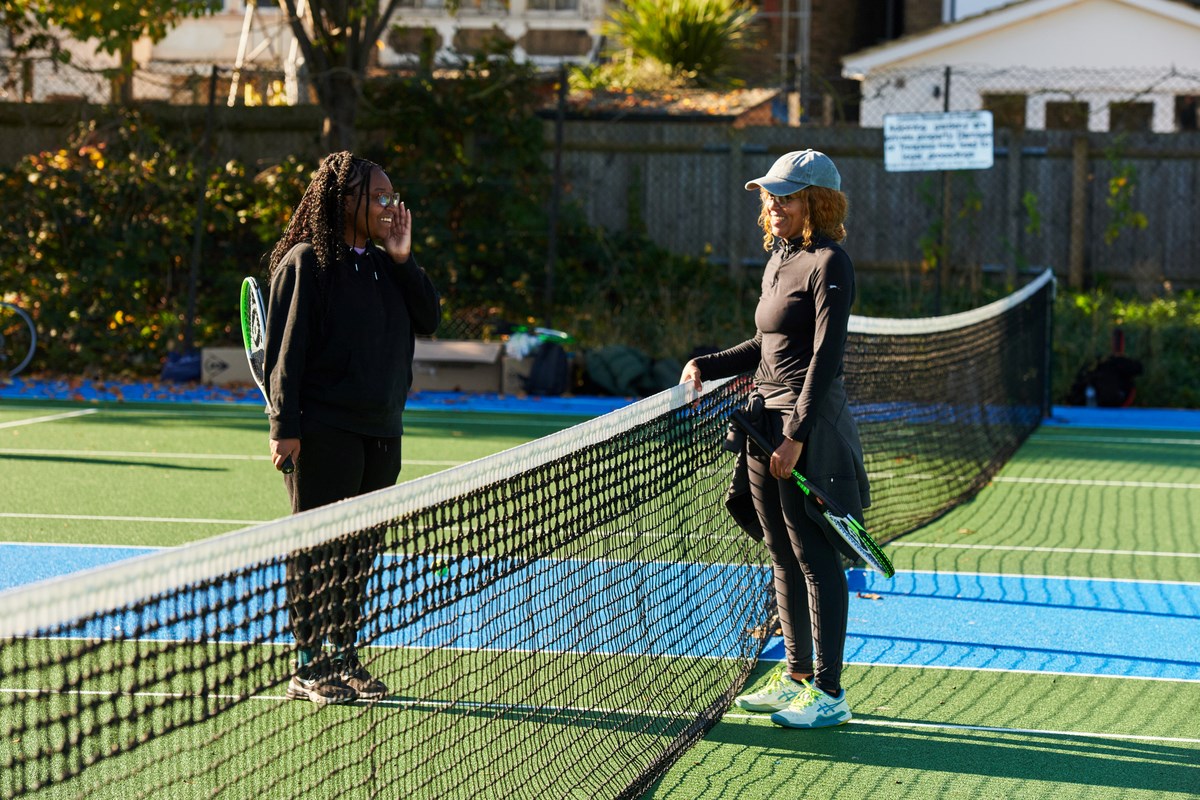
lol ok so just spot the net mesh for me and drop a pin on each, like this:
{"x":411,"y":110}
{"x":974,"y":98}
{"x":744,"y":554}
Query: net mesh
{"x":942,"y":403}
{"x":557,"y":621}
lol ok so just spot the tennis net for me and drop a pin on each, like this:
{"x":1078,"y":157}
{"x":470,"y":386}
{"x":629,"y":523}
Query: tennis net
{"x":560,"y":620}
{"x":943,"y":402}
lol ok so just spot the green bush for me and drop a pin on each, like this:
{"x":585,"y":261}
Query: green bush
{"x":698,"y":39}
{"x":1162,"y":333}
{"x":98,"y":246}
{"x":99,"y":237}
{"x":467,"y":156}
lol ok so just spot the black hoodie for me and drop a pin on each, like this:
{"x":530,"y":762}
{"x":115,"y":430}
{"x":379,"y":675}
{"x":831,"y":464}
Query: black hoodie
{"x":340,"y":349}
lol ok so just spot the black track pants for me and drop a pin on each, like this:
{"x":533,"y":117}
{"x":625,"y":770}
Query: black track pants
{"x":810,"y":581}
{"x":327,"y":584}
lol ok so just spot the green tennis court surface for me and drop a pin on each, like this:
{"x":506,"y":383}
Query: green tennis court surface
{"x":1107,"y":508}
{"x":1041,"y":639}
{"x":161,"y":475}
{"x":1112,"y":509}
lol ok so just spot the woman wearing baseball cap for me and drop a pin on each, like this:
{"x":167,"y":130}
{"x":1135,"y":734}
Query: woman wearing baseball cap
{"x":800,"y":404}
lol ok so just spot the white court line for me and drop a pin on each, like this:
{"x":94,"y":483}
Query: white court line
{"x":442,"y":419}
{"x":86,"y":546}
{"x":182,"y":456}
{"x":15,"y":451}
{"x":1039,"y":672}
{"x":893,"y":723}
{"x":439,"y":418}
{"x":1089,"y":482}
{"x":48,"y":418}
{"x":1068,"y":578}
{"x":1032,"y":549}
{"x":1050,"y":438}
{"x":581,"y":710}
{"x":1137,"y":737}
{"x":103,"y":518}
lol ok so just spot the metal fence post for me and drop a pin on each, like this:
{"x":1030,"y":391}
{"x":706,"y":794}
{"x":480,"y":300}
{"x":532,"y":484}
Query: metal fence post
{"x":736,"y":192}
{"x":1079,"y":201}
{"x":1013,"y":162}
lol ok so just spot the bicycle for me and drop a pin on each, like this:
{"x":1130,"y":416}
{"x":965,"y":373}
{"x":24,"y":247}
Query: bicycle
{"x":18,"y":339}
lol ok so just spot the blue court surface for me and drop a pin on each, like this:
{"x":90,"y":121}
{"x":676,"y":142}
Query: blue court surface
{"x":94,"y":391}
{"x":1115,"y":628}
{"x":1118,"y":628}
{"x":544,"y":605}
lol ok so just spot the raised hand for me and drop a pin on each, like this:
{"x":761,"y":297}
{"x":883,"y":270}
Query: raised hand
{"x":397,"y":239}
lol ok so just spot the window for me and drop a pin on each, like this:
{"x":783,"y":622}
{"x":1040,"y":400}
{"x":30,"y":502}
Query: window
{"x":1187,"y":108}
{"x":553,"y":5}
{"x":1066,"y":116}
{"x":1008,"y":110}
{"x":1130,"y":117}
{"x":461,"y":5}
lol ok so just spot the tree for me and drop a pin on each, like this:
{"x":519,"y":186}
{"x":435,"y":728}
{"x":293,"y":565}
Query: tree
{"x":35,"y":26}
{"x":337,"y":45}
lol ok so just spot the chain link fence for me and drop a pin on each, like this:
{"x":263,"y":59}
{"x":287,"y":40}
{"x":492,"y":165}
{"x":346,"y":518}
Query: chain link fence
{"x":97,"y":80}
{"x":1117,"y":100}
{"x":1096,"y":173}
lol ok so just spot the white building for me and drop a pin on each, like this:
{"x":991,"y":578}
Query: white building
{"x":1095,"y":64}
{"x":256,"y":36}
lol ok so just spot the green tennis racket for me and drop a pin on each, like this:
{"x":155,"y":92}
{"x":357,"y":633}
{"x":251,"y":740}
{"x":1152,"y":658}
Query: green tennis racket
{"x":254,"y":336}
{"x":850,"y":529}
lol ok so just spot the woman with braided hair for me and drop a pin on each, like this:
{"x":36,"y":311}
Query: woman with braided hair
{"x":347,"y":300}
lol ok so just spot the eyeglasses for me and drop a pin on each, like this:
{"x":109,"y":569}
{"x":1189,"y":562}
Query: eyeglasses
{"x":384,"y":199}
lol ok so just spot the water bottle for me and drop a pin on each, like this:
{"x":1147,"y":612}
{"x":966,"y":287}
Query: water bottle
{"x":1090,"y":394}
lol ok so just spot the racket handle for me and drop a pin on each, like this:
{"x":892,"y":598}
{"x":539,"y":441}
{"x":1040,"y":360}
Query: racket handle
{"x":742,"y":421}
{"x":754,"y":433}
{"x":288,"y":466}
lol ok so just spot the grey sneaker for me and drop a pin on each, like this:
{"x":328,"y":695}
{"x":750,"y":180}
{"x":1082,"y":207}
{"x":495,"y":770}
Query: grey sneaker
{"x":320,"y":686}
{"x":352,"y":673}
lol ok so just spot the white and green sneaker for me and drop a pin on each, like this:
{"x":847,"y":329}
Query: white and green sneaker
{"x":780,"y":690}
{"x":812,"y":708}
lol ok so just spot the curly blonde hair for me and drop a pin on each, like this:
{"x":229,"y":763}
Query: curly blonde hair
{"x":824,"y":211}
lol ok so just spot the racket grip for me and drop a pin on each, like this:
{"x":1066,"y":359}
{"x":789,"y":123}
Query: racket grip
{"x":288,"y":466}
{"x":743,"y":422}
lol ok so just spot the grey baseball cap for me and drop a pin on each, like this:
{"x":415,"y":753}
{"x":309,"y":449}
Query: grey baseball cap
{"x":794,"y":171}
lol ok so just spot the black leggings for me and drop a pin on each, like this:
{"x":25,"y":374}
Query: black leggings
{"x":810,"y":582}
{"x":327,"y":584}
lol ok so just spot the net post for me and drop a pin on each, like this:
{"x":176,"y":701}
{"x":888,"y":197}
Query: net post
{"x":1048,"y":379}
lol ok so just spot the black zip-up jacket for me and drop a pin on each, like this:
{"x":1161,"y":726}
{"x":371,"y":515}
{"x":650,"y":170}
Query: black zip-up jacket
{"x":802,"y":320}
{"x":342,"y":352}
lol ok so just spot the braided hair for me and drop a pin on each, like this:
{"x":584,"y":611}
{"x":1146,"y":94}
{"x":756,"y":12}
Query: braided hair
{"x":320,"y":218}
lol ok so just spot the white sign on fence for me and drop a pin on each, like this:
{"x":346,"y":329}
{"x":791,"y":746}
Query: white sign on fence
{"x":950,"y":140}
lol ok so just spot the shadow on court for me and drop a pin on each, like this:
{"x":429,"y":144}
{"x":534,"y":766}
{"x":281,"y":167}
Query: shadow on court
{"x":859,"y":760}
{"x":114,"y":462}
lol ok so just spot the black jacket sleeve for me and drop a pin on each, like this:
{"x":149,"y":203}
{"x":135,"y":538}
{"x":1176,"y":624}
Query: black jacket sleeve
{"x":832,"y":286}
{"x":424,"y":304}
{"x":290,"y":319}
{"x":735,"y":360}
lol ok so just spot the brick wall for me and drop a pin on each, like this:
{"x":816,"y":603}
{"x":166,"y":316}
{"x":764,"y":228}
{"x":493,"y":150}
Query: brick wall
{"x":921,"y":15}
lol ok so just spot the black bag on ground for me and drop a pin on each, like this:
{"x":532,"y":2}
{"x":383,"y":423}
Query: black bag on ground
{"x":550,"y":372}
{"x":1111,"y":381}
